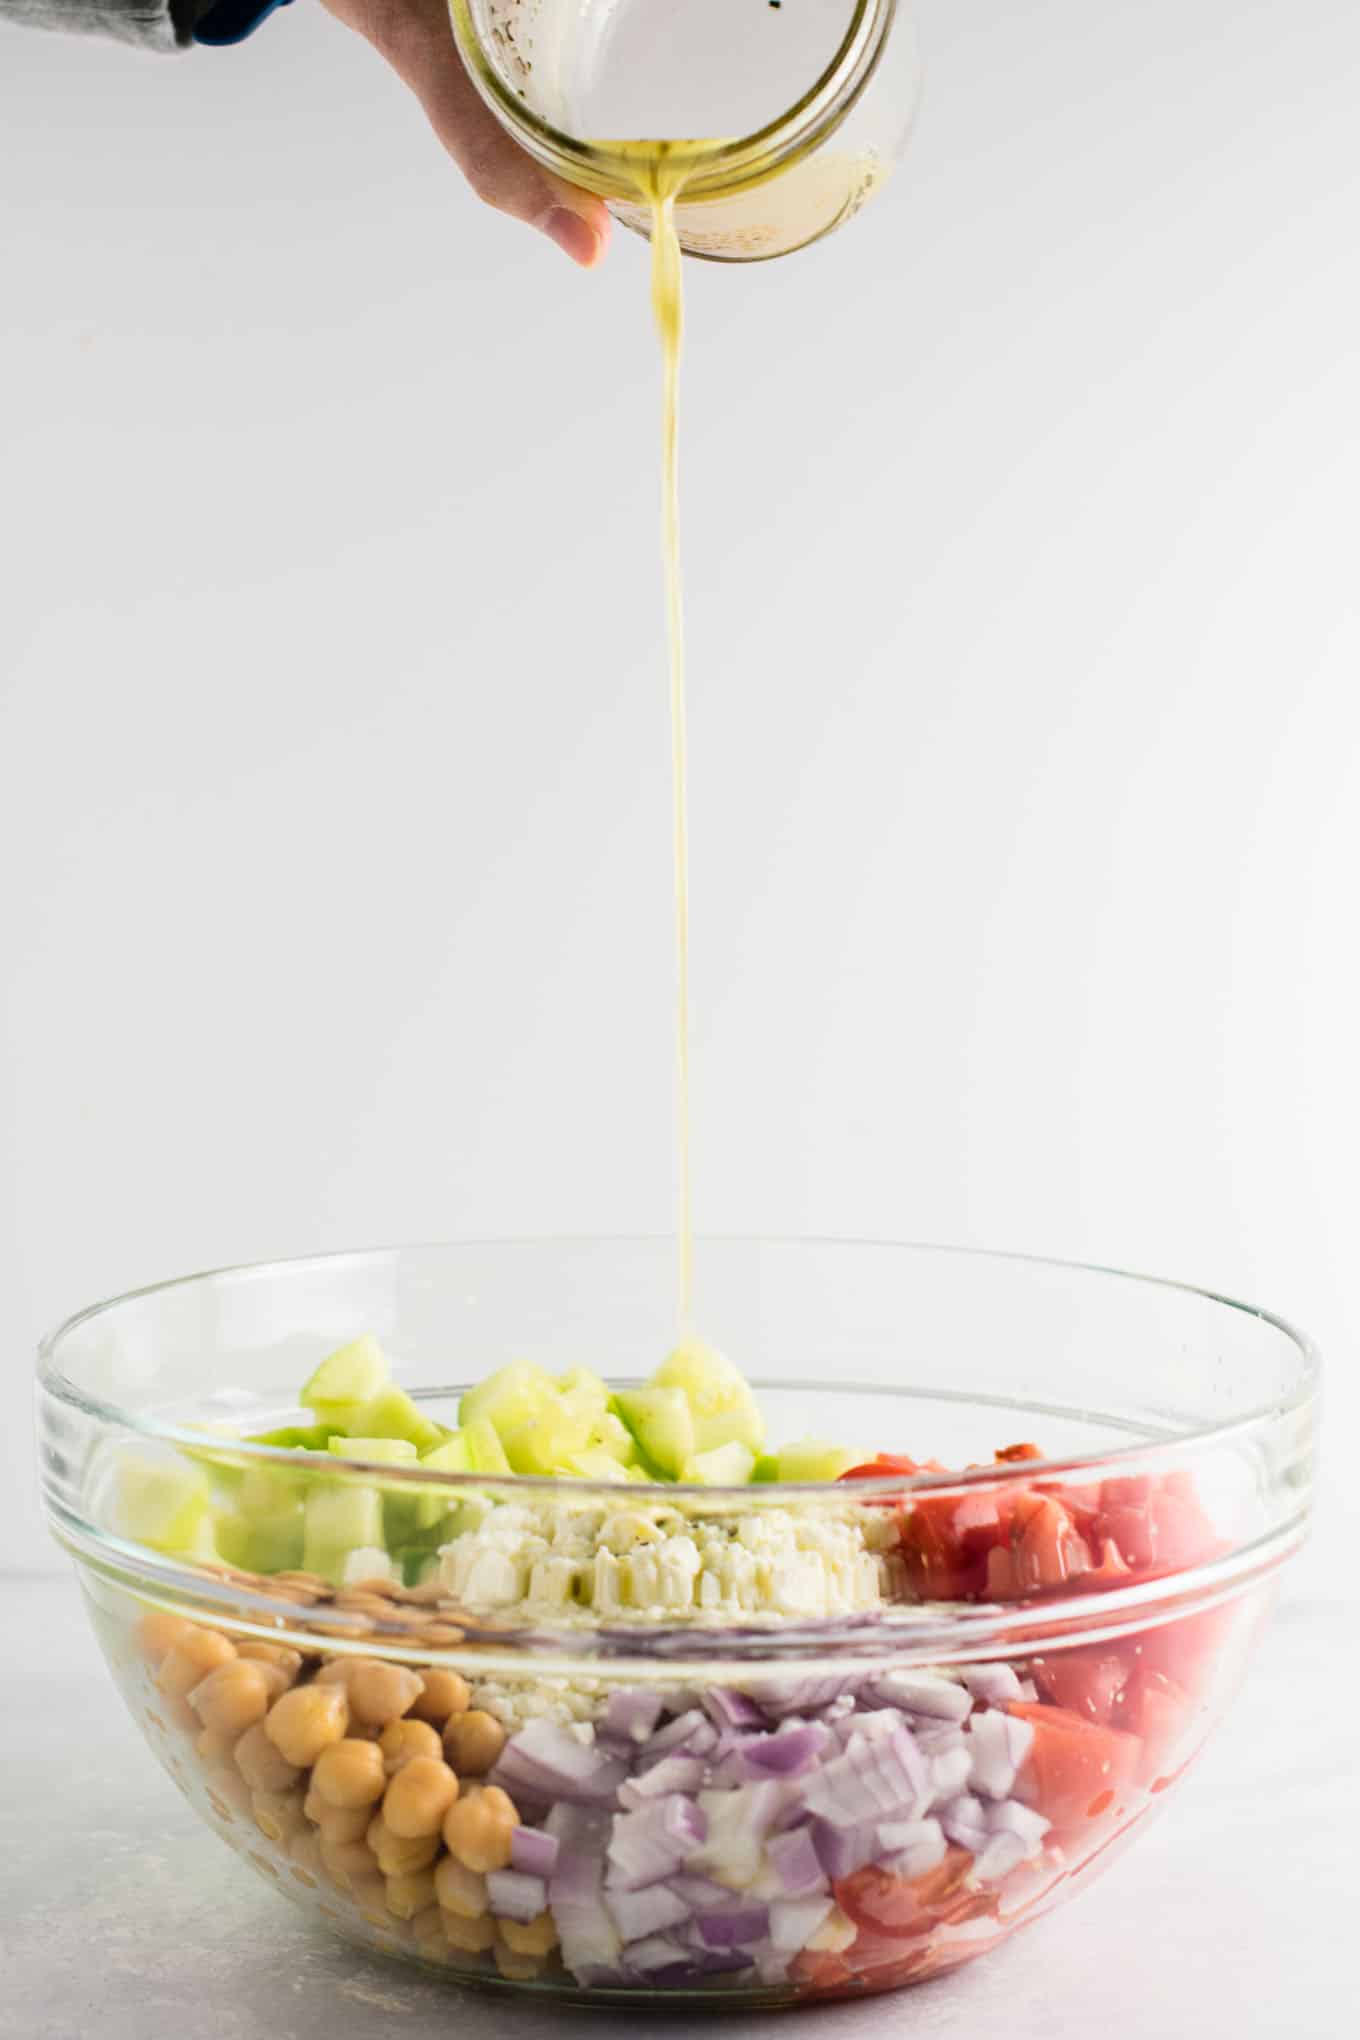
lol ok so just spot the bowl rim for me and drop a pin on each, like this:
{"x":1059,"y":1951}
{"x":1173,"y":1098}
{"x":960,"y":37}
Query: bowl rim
{"x":1175,"y":1443}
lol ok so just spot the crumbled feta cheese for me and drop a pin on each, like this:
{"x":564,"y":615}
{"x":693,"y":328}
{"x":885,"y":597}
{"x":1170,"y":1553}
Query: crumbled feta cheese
{"x":559,"y":1556}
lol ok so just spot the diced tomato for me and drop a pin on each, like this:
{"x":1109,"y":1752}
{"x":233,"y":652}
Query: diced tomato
{"x":1156,"y":1525}
{"x":1087,"y":1684}
{"x":1076,"y":1769}
{"x":891,"y":1462}
{"x":821,"y":1971}
{"x":1012,"y":1454}
{"x":1160,"y":1714}
{"x":1048,"y":1552}
{"x":882,"y":1903}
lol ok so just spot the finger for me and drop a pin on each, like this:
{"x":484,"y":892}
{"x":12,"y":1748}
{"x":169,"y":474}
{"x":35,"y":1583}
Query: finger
{"x":498,"y":170}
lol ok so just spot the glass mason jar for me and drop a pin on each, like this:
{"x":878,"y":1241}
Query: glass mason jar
{"x":805,"y":107}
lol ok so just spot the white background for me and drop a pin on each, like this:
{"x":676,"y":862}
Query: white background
{"x":1020,"y":529}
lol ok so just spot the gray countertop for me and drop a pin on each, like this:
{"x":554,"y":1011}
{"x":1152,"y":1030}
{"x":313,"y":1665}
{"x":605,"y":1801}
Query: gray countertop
{"x":125,"y":1919}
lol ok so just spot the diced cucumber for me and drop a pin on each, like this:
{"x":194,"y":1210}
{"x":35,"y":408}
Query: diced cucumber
{"x":377,"y":1451}
{"x":417,"y":1566}
{"x":810,"y":1459}
{"x":339,"y":1520}
{"x":392,"y":1414}
{"x":486,"y":1454}
{"x":262,"y":1542}
{"x":345,"y":1379}
{"x":509,"y":1400}
{"x":610,"y":1434}
{"x":166,"y":1503}
{"x":766,"y":1467}
{"x":429,"y":1506}
{"x":724,"y":1409}
{"x":593,"y":1464}
{"x":586,"y":1387}
{"x":298,"y":1437}
{"x":725,"y":1466}
{"x":662,"y":1422}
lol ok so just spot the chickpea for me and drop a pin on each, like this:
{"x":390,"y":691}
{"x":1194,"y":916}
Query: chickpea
{"x":350,"y":1773}
{"x":343,"y":1823}
{"x":400,"y":1855}
{"x":472,"y":1742}
{"x":470,"y":1937}
{"x":278,"y":1814}
{"x":459,"y":1890}
{"x":418,"y":1797}
{"x":402,"y":1740}
{"x":378,"y":1692}
{"x":279,"y":1655}
{"x":335,"y":1672}
{"x":441,"y":1694}
{"x":233,"y":1698}
{"x":212,"y":1747}
{"x":191,"y":1658}
{"x":539,"y":1937}
{"x":410,"y":1894}
{"x":264,"y":1768}
{"x":428,"y":1930}
{"x":159,"y":1631}
{"x":344,"y":1861}
{"x":516,"y":1968}
{"x":478,"y":1827}
{"x":306,"y":1720}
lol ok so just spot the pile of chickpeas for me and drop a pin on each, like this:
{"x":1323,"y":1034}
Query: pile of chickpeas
{"x":366,"y":1774}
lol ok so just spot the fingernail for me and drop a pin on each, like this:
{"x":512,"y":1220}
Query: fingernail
{"x":573,"y":235}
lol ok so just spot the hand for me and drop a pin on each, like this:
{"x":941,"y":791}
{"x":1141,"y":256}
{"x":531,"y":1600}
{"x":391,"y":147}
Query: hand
{"x":416,"y":39}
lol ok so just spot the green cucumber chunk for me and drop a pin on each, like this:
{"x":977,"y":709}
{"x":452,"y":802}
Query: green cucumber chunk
{"x":662,"y":1422}
{"x":166,"y":1503}
{"x":352,"y":1375}
{"x":809,"y":1459}
{"x":728,"y":1465}
{"x":723,"y":1408}
{"x":337,"y":1521}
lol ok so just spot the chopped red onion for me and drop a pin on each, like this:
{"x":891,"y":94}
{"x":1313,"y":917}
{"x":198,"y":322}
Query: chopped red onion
{"x":691,"y":1734}
{"x":788,"y":1753}
{"x":698,"y":1892}
{"x":658,"y":1953}
{"x":738,"y":1823}
{"x":729,"y":1709}
{"x":513,"y":1895}
{"x":912,"y":1847}
{"x":544,"y":1761}
{"x":842,"y":1851}
{"x":794,"y":1921}
{"x":589,"y":1939}
{"x":996,"y":1684}
{"x":998,"y":1744}
{"x":733,"y":1926}
{"x":873,"y":1777}
{"x":672,"y":1774}
{"x":638,"y":1914}
{"x":923,"y":1693}
{"x":797,"y":1695}
{"x":652,"y":1842}
{"x":949,"y":1773}
{"x":965,"y":1822}
{"x":1011,"y":1818}
{"x":794,"y":1861}
{"x":631,"y":1714}
{"x":533,"y":1852}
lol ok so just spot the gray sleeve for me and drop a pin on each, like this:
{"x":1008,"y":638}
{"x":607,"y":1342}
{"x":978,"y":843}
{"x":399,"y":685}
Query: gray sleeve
{"x":165,"y":25}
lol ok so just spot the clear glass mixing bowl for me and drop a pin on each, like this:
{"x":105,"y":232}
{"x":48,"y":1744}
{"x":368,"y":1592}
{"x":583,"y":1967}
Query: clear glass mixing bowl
{"x":755,"y":1803}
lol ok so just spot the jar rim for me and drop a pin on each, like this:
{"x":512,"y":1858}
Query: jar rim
{"x":731,"y":165}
